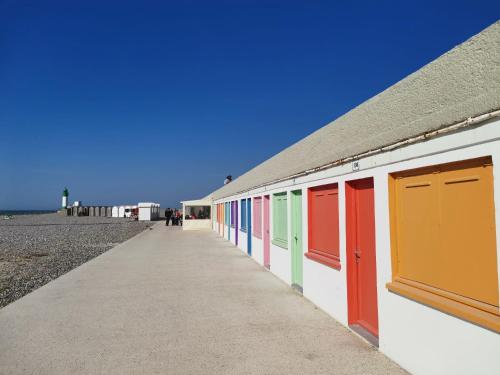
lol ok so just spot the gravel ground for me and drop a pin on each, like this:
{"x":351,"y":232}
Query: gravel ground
{"x":35,"y":249}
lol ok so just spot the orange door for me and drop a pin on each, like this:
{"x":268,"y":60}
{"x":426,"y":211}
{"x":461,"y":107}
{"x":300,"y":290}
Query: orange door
{"x":361,"y":260}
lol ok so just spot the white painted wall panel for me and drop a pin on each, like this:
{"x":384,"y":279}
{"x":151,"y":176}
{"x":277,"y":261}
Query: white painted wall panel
{"x":326,"y":288}
{"x":281,"y":263}
{"x":233,"y":237}
{"x":428,"y":342}
{"x":196,"y":224}
{"x":242,"y":241}
{"x":258,"y":250}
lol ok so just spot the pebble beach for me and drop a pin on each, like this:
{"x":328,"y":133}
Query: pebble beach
{"x":35,"y":249}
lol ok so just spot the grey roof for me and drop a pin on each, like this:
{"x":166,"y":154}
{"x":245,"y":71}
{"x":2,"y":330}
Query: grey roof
{"x":462,"y":83}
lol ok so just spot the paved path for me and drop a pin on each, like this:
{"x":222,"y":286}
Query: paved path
{"x":173,"y":302}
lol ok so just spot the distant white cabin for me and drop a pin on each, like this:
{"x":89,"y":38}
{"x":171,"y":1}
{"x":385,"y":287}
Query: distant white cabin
{"x":149,"y":211}
{"x":121,"y":211}
{"x":196,"y":214}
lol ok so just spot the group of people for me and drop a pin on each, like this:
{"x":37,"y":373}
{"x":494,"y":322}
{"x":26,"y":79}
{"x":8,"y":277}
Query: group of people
{"x":174,"y":215}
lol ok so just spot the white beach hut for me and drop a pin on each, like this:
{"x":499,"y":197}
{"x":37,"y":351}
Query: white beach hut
{"x":148,"y":211}
{"x":121,"y":211}
{"x":196,"y":214}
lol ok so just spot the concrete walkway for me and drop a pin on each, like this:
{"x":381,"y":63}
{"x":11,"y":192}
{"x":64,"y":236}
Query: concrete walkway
{"x":173,"y":302}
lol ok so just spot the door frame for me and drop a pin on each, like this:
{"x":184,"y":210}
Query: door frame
{"x":236,"y":217}
{"x":297,"y":252}
{"x":249,"y":226}
{"x":266,"y":236}
{"x":353,"y":294}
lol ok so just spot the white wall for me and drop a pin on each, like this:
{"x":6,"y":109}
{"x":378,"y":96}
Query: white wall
{"x":233,"y":236}
{"x":242,"y":241}
{"x":281,"y":263}
{"x":423,"y":340}
{"x":196,"y":224}
{"x":257,"y":250}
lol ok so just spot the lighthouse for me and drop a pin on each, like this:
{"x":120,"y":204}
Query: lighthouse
{"x":65,"y":198}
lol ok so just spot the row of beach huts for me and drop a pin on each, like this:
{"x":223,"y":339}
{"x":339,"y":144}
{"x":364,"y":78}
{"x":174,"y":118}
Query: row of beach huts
{"x":143,"y":211}
{"x":385,"y":218}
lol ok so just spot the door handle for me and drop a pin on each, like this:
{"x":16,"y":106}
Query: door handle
{"x":357,"y":254}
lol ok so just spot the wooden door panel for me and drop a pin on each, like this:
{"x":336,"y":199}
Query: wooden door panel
{"x":361,"y":255}
{"x":367,"y":276}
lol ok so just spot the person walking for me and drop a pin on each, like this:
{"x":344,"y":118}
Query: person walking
{"x":168,"y":215}
{"x":174,"y":217}
{"x":178,"y":218}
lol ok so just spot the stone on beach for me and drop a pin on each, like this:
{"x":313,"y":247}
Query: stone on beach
{"x":35,"y":249}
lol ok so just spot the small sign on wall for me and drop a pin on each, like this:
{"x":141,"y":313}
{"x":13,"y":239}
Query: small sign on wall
{"x":355,"y":165}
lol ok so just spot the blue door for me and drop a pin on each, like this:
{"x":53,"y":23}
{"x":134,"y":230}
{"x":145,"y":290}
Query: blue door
{"x":249,"y":226}
{"x":236,"y":222}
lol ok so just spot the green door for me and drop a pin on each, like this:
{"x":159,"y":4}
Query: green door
{"x":297,"y":251}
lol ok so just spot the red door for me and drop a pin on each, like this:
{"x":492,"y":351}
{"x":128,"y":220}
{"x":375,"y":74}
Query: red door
{"x":361,"y":260}
{"x":267,"y":244}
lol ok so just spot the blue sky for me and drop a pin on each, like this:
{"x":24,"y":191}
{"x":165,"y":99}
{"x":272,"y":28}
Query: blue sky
{"x":158,"y":101}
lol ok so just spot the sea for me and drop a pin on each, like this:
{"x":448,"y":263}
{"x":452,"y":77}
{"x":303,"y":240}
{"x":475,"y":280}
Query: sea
{"x":25,"y":212}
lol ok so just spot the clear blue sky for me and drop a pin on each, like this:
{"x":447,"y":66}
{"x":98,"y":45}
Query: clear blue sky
{"x":158,"y":101}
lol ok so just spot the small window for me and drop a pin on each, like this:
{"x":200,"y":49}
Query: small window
{"x":280,"y":220}
{"x":443,"y":239}
{"x":257,"y":217}
{"x":244,"y":215}
{"x":324,"y":225}
{"x":197,"y":213}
